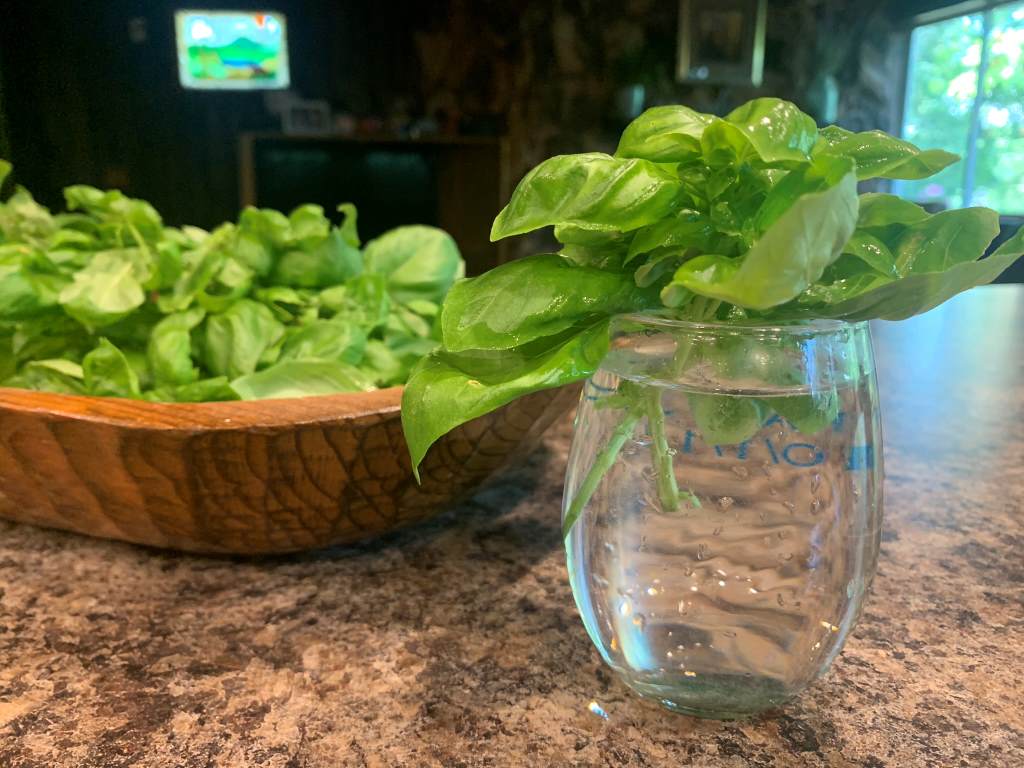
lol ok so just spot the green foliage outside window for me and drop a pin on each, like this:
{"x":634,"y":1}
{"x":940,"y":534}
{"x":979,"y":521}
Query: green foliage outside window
{"x":946,"y":59}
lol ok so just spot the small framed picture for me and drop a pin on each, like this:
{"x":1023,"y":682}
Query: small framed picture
{"x":308,"y":117}
{"x":721,"y":42}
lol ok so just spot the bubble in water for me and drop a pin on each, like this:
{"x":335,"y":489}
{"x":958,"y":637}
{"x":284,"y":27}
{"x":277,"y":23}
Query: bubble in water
{"x":688,"y":571}
{"x":640,"y":621}
{"x":717,"y":531}
{"x":782,"y":535}
{"x":652,"y":591}
{"x":609,"y":546}
{"x":855,"y":490}
{"x":668,"y":654}
{"x":815,"y":506}
{"x":625,"y":607}
{"x":790,"y":506}
{"x":766,"y":468}
{"x":815,"y":482}
{"x":702,"y":551}
{"x":773,"y":493}
{"x":741,"y":472}
{"x":683,"y":607}
{"x":643,"y":441}
{"x":725,"y":502}
{"x":728,"y":633}
{"x":780,"y":600}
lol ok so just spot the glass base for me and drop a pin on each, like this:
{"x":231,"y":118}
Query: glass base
{"x":715,"y":697}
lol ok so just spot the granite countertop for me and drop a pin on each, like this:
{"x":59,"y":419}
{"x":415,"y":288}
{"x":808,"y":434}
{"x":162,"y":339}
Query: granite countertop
{"x":457,"y":643}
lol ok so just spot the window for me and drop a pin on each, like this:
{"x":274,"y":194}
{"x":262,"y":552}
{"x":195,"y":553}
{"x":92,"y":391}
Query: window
{"x":946,"y":109}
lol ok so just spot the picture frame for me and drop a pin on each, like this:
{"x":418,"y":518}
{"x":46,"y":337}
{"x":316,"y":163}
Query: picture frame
{"x":721,"y":42}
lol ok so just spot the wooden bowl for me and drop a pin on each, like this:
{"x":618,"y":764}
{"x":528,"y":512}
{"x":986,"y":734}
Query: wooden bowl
{"x":254,"y":477}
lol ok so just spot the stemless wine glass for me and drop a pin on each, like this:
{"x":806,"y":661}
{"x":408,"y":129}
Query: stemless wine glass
{"x":723,"y":507}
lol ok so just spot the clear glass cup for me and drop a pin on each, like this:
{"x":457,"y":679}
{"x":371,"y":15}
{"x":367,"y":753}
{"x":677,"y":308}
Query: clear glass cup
{"x":723,"y":507}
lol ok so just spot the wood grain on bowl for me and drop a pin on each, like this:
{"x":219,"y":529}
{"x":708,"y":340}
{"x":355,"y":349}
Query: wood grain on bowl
{"x":255,"y":477}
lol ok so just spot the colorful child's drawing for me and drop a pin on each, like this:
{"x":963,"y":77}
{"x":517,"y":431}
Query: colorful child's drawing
{"x":224,"y":49}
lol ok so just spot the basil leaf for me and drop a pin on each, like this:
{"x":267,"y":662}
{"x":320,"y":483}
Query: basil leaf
{"x":348,"y":229}
{"x":810,"y":414}
{"x":363,"y":300}
{"x":530,"y":298}
{"x":202,"y":391}
{"x":817,"y":176}
{"x":308,"y":224}
{"x":945,"y":239}
{"x":325,"y":340}
{"x":668,"y":134}
{"x":169,"y":351}
{"x":201,"y":266}
{"x":107,"y":290}
{"x":107,"y":373}
{"x":60,"y":376}
{"x":301,"y":378}
{"x":685,"y":229}
{"x":786,"y":259}
{"x":660,"y":265}
{"x":594,"y":190}
{"x":236,"y":338}
{"x":920,"y":291}
{"x":25,"y":293}
{"x":383,"y":365}
{"x":879,"y":155}
{"x":872,"y":252}
{"x":417,"y":262}
{"x":879,"y":210}
{"x":768,"y":130}
{"x":233,"y":281}
{"x":328,"y":262}
{"x":447,"y":389}
{"x":725,"y":419}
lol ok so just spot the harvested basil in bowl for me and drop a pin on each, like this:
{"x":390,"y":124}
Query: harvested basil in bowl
{"x":236,"y":390}
{"x":722,"y":505}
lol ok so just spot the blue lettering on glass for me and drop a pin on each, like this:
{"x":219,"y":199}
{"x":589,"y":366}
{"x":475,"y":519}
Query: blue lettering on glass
{"x":741,"y":449}
{"x":591,"y":385}
{"x":840,"y":419}
{"x":817,"y":455}
{"x":861,"y":457}
{"x":795,"y":454}
{"x":688,"y":442}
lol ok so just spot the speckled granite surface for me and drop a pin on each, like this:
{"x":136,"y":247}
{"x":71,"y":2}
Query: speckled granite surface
{"x":457,"y":643}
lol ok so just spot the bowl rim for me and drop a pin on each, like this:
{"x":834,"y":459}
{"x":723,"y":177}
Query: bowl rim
{"x":232,"y":415}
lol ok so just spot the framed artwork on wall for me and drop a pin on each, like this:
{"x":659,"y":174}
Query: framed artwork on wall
{"x":721,"y":42}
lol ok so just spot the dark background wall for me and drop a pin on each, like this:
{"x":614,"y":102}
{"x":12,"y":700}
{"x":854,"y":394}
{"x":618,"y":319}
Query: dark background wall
{"x":89,"y":91}
{"x":84,"y":102}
